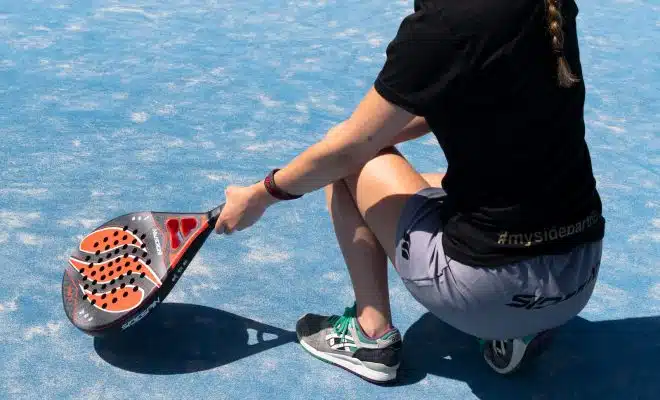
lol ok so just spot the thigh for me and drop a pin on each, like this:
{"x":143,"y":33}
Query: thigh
{"x":381,"y":189}
{"x":515,"y":300}
{"x":434,"y":178}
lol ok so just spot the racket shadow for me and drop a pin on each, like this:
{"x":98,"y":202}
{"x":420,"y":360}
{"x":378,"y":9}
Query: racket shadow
{"x":614,"y":359}
{"x":183,"y":338}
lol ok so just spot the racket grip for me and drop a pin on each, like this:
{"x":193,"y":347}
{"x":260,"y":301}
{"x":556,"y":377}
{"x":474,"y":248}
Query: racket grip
{"x":215,"y":213}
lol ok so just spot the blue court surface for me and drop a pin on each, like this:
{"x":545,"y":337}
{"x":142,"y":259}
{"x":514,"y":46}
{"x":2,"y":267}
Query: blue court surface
{"x":109,"y":107}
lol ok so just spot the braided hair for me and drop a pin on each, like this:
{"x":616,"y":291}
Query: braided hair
{"x":565,"y":77}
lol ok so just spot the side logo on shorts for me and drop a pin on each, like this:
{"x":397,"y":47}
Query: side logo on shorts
{"x":405,"y":247}
{"x":531,"y":302}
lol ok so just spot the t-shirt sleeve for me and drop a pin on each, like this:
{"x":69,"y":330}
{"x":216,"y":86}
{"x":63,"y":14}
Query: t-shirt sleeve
{"x":423,"y":61}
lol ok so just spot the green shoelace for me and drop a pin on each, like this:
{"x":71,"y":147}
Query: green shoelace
{"x":341,"y":323}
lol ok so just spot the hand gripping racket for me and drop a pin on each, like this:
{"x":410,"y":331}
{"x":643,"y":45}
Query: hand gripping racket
{"x":126,"y":267}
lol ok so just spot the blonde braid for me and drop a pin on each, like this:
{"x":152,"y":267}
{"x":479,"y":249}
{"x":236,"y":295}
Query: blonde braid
{"x":555,"y":21}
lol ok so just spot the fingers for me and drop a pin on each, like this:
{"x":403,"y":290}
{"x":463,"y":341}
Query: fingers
{"x":222,"y":228}
{"x":222,"y":225}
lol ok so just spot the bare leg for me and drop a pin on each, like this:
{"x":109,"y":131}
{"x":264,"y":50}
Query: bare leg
{"x":389,"y":181}
{"x":434,"y":179}
{"x":365,"y":258}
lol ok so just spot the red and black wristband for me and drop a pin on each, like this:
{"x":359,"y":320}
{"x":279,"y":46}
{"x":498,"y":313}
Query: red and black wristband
{"x":275,"y":191}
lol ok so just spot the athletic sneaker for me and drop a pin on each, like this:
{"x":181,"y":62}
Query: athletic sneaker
{"x":339,"y":340}
{"x":508,"y":356}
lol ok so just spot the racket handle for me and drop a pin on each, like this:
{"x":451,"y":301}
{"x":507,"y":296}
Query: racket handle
{"x":215,"y":213}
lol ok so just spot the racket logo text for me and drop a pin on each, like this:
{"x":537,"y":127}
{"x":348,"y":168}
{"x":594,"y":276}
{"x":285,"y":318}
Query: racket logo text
{"x":159,"y":248}
{"x":141,"y":315}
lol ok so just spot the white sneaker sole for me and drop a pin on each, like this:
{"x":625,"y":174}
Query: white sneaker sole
{"x":373,"y":372}
{"x":519,"y":349}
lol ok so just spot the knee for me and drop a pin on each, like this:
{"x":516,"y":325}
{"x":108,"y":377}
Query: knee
{"x":388,"y":150}
{"x":373,"y":164}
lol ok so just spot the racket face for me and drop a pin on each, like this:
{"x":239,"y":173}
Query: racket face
{"x":127,"y":266}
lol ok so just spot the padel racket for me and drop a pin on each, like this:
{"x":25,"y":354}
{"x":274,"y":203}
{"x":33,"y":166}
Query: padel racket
{"x":126,"y":267}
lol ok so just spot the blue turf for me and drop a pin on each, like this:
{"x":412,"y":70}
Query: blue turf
{"x":108,"y":107}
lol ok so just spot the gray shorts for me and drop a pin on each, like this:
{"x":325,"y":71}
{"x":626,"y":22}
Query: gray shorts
{"x":506,"y":302}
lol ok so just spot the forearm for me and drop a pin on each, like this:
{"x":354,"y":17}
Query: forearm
{"x":348,"y":146}
{"x":335,"y":157}
{"x":416,"y":128}
{"x":327,"y":161}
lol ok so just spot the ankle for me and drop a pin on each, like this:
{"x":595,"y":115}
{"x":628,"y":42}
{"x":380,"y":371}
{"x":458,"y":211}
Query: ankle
{"x":373,"y":329}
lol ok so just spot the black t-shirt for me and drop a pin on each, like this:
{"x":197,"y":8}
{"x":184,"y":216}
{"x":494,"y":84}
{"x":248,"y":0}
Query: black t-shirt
{"x":519,"y":180}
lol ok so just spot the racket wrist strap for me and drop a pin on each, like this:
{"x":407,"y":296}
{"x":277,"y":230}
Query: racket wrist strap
{"x":275,"y":191}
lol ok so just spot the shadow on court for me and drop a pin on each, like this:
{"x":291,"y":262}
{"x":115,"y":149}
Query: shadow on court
{"x":182,"y":338}
{"x":588,"y":360}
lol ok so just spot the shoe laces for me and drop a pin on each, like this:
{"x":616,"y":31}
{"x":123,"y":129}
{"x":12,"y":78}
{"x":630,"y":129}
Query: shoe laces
{"x":341,"y":323}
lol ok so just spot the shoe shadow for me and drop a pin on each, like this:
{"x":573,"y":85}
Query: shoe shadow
{"x":587,"y":360}
{"x":182,"y":338}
